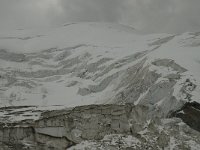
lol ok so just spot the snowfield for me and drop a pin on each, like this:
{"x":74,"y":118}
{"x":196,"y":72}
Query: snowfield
{"x":84,"y":63}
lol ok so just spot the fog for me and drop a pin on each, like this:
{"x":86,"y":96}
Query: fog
{"x":170,"y":16}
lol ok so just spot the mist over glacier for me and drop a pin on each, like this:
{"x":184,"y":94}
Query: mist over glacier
{"x":99,"y":74}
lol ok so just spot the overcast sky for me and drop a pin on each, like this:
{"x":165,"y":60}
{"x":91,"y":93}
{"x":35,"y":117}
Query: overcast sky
{"x":171,"y":16}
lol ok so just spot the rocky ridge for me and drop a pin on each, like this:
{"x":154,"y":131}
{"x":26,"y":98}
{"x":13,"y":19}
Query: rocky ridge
{"x":99,"y":127}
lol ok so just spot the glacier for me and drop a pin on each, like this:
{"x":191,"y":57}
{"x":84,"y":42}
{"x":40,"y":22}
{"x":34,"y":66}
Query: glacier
{"x":84,"y":64}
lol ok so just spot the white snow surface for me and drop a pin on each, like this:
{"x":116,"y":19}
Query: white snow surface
{"x":76,"y":45}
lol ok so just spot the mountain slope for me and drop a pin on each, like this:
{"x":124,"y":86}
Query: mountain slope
{"x":138,"y":80}
{"x":87,"y":63}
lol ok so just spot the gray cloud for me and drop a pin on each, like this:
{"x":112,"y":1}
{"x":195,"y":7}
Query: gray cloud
{"x":173,"y":16}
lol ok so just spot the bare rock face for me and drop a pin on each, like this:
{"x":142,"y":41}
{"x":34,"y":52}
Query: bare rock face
{"x":64,"y":128}
{"x":91,"y":122}
{"x":99,"y":125}
{"x":190,"y":113}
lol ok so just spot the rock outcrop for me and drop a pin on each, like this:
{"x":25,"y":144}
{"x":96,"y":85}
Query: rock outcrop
{"x":62,"y":129}
{"x":190,"y":113}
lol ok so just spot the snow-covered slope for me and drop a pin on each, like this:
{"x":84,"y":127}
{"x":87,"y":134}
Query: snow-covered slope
{"x":147,"y":81}
{"x":96,"y":63}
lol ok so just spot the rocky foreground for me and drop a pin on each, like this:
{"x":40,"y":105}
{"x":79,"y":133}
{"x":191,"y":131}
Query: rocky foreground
{"x":109,"y":126}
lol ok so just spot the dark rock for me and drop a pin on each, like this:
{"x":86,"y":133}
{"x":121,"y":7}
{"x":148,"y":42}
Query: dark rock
{"x":190,"y":114}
